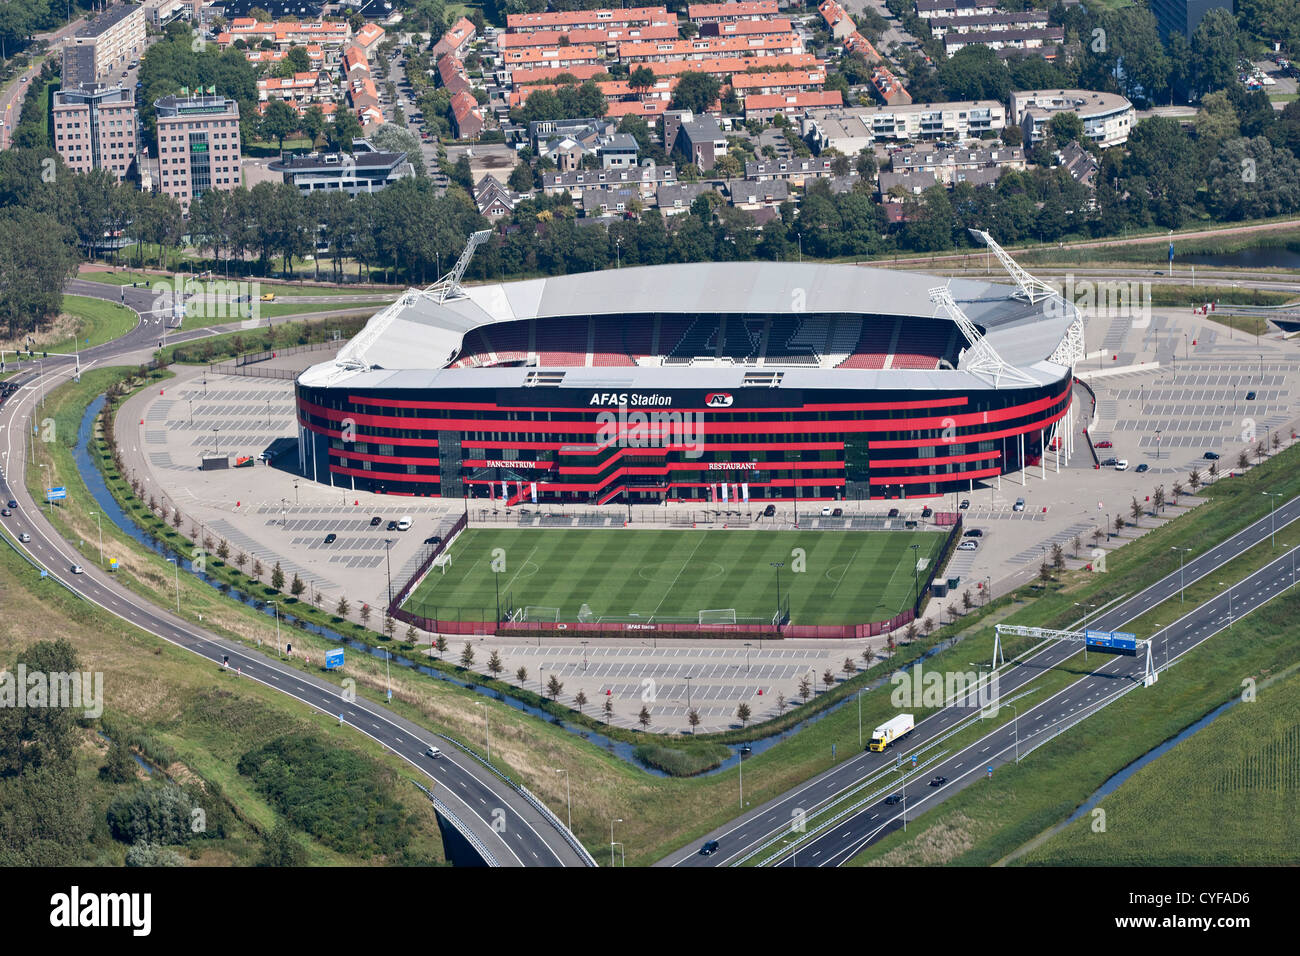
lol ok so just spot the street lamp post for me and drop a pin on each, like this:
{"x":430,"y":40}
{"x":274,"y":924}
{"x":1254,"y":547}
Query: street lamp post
{"x":100,"y":522}
{"x":487,"y":734}
{"x":388,"y":547}
{"x":1182,"y":598}
{"x":568,"y":796}
{"x":275,"y":609}
{"x":1273,"y":515}
{"x":177,"y":563}
{"x":611,"y":838}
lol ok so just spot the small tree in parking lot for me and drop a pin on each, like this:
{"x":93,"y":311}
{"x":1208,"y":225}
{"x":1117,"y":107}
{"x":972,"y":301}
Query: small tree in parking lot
{"x":441,"y":644}
{"x":258,"y":570}
{"x":1261,"y":451}
{"x":1277,"y":442}
{"x":343,"y":607}
{"x":1242,"y":459}
{"x":1119,"y":524}
{"x":553,"y":687}
{"x":1214,"y":469}
{"x":1058,"y":556}
{"x":1194,"y":480}
{"x":467,"y":655}
{"x":494,"y":665}
{"x":693,"y":718}
{"x":581,"y":700}
{"x":521,"y":676}
{"x":1135,"y":509}
{"x":609,"y":709}
{"x":277,"y":577}
{"x":1158,"y":497}
{"x":805,"y":688}
{"x":743,"y":714}
{"x":1177,"y":491}
{"x":298,"y":586}
{"x":643,"y":718}
{"x":365,"y":614}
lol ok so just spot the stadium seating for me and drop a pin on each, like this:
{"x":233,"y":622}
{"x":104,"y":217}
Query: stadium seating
{"x":565,"y":343}
{"x":873,"y":345}
{"x":921,"y":344}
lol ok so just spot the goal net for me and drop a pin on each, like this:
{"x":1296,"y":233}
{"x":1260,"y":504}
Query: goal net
{"x":585,"y":614}
{"x":443,"y":561}
{"x":535,"y":612}
{"x":724,"y":615}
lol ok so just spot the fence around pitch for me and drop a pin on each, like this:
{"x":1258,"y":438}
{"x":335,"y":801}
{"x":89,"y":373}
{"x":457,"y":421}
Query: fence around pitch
{"x":395,"y":607}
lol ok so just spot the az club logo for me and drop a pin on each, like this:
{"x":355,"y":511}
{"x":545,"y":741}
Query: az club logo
{"x":718,"y":400}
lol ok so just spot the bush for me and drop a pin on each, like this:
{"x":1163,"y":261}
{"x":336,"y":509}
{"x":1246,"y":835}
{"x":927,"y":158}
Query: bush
{"x":152,"y":813}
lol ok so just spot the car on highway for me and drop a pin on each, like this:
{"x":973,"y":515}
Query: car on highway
{"x":268,"y":297}
{"x":433,"y":752}
{"x":24,"y":537}
{"x":1121,"y":464}
{"x":5,"y":513}
{"x":1103,"y":444}
{"x":78,"y":569}
{"x":892,"y":799}
{"x":938,"y":781}
{"x":1019,"y":505}
{"x":970,"y":544}
{"x":1211,"y":456}
{"x":893,"y":513}
{"x":331,"y":538}
{"x":376,"y":521}
{"x":709,"y":848}
{"x":1142,"y":467}
{"x":974,"y":533}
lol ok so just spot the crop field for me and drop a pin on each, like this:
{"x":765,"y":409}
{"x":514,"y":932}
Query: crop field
{"x":829,"y":577}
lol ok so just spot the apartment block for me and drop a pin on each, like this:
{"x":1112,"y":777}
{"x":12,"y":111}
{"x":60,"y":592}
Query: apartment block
{"x":198,"y":146}
{"x":116,"y":36}
{"x":96,"y":127}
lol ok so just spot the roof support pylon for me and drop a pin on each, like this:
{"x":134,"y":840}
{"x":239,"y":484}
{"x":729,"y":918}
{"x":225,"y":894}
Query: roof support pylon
{"x":1034,"y":290}
{"x":448,"y":287}
{"x":980,"y":358}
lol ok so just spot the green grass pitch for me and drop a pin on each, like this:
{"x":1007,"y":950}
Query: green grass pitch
{"x":849,"y":577}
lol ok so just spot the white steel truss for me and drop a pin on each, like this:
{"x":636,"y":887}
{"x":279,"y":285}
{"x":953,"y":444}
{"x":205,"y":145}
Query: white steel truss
{"x":1069,"y":351}
{"x":1035,"y":290}
{"x":1078,"y":637}
{"x":448,"y":287}
{"x":980,"y":359}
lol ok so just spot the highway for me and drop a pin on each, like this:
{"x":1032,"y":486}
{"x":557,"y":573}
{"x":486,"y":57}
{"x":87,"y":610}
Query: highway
{"x":1112,"y":675}
{"x":515,"y":832}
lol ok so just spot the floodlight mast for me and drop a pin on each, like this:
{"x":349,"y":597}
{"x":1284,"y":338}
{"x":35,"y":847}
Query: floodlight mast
{"x":448,"y":287}
{"x":981,"y":359}
{"x":1034,"y":290}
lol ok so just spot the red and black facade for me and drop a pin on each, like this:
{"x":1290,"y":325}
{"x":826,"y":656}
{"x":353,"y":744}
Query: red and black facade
{"x":573,"y":444}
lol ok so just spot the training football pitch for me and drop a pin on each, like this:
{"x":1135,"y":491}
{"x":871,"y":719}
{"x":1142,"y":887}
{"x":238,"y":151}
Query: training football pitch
{"x":842,"y":577}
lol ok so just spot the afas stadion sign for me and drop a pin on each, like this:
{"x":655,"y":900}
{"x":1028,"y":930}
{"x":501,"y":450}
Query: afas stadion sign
{"x":636,"y":399}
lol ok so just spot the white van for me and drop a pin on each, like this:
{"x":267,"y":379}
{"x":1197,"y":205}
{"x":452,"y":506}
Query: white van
{"x":404,"y":523}
{"x":1121,"y":465}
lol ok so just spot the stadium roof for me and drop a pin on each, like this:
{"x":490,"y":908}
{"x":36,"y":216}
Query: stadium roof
{"x":409,"y":344}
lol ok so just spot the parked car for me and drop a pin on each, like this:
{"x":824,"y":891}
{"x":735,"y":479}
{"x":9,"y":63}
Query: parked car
{"x":1103,"y":444}
{"x":435,"y":539}
{"x":1019,"y":505}
{"x":1109,"y":462}
{"x":1121,"y":465}
{"x":769,"y":511}
{"x":331,"y":538}
{"x":1211,"y":456}
{"x":893,"y":513}
{"x":709,"y":848}
{"x":376,"y":521}
{"x":974,"y":533}
{"x":965,"y":503}
{"x":1142,"y":467}
{"x":970,"y":544}
{"x":837,"y":513}
{"x":826,"y":512}
{"x":927,"y":511}
{"x":1250,"y":396}
{"x":404,"y":524}
{"x":391,"y":526}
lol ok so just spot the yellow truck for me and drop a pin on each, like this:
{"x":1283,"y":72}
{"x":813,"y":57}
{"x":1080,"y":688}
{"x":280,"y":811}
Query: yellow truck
{"x":894,"y":729}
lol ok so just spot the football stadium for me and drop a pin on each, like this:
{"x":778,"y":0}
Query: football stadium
{"x":708,"y":382}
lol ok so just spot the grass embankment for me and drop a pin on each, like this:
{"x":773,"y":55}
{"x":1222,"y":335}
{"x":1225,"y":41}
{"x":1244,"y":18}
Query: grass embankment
{"x":202,"y":315}
{"x":1155,"y":253}
{"x":664,"y":813}
{"x":191,"y":723}
{"x":228,"y":345}
{"x":1227,"y":796}
{"x":84,"y":322}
